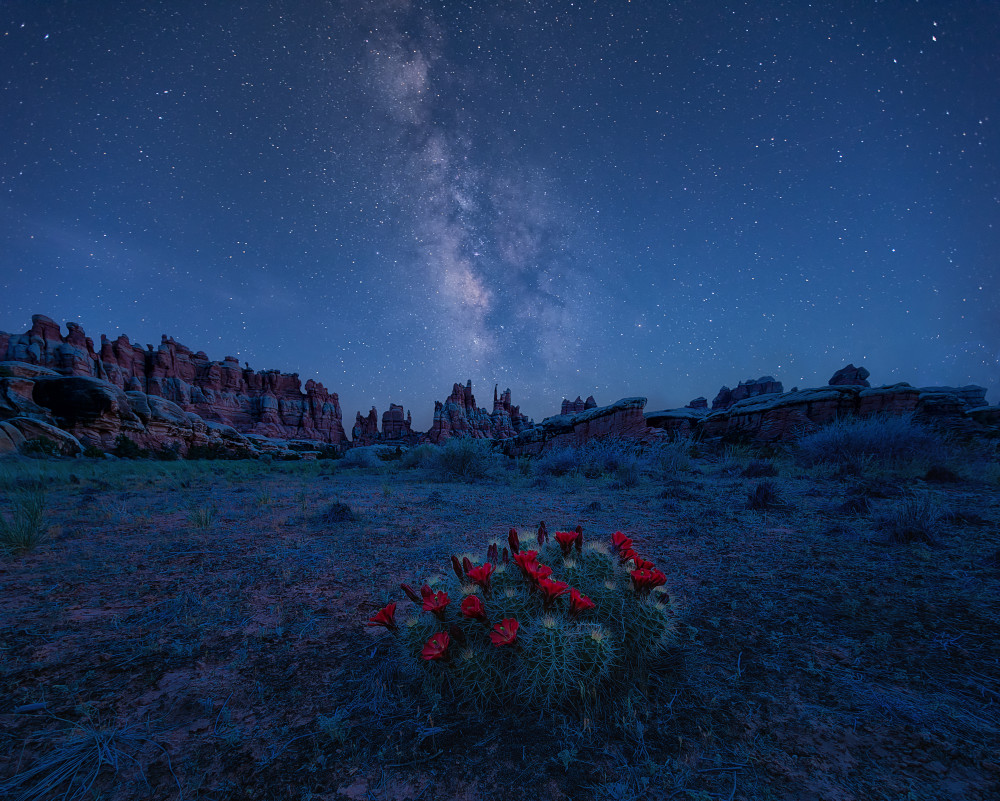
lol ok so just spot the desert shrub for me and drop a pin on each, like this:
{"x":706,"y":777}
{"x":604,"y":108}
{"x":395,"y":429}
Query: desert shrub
{"x":203,"y":516}
{"x":126,"y":448}
{"x":337,"y":512}
{"x":213,"y":451}
{"x":329,"y":452}
{"x":854,"y":443}
{"x":942,"y":475}
{"x":670,"y":456}
{"x":93,"y":452}
{"x":421,"y":456}
{"x":169,"y":453}
{"x":913,"y":518}
{"x":557,"y":462}
{"x":387,"y":455}
{"x":465,"y":458}
{"x":508,"y":633}
{"x":40,"y":447}
{"x":627,"y":474}
{"x":21,"y":528}
{"x":760,"y":468}
{"x":764,"y":496}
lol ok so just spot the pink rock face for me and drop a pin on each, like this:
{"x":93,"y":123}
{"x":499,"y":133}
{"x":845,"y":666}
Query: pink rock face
{"x":459,"y":416}
{"x":268,"y":403}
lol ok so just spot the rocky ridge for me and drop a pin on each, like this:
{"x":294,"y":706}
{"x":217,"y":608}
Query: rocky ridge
{"x":163,"y":396}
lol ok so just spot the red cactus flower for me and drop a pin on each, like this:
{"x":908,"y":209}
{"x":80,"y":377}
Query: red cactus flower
{"x":627,"y":554}
{"x":579,"y":538}
{"x":436,"y":603}
{"x":492,"y":554}
{"x":645,"y":579}
{"x":481,"y":575}
{"x":524,"y":559}
{"x":620,"y":542}
{"x":537,"y":572}
{"x":566,"y":540}
{"x":513,"y":541}
{"x":473,"y":607}
{"x":506,"y":557}
{"x":505,"y":632}
{"x":426,"y":592}
{"x":551,"y":589}
{"x":543,"y":534}
{"x":436,"y":647}
{"x":641,"y":564}
{"x":457,"y":567}
{"x":411,"y":593}
{"x":466,"y":564}
{"x":579,"y":603}
{"x":386,"y":617}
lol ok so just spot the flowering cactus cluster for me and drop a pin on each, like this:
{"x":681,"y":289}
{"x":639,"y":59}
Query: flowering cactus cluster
{"x":567,"y":624}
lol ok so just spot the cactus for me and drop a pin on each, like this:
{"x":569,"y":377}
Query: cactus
{"x":515,"y":635}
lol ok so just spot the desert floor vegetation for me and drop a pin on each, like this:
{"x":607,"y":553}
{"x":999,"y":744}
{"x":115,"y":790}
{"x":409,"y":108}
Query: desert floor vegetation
{"x":197,"y":630}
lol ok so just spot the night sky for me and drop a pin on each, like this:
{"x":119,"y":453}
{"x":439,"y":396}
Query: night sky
{"x":567,"y":198}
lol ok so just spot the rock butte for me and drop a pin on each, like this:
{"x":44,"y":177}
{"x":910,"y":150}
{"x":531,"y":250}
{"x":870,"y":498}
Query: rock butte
{"x":62,"y":389}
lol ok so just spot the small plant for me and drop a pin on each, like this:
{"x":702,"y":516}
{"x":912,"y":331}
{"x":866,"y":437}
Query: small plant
{"x":40,"y":447}
{"x":126,"y":448}
{"x":512,"y":633}
{"x":764,"y":496}
{"x":203,"y":516}
{"x":22,"y":531}
{"x":337,"y":512}
{"x":421,"y":456}
{"x":93,"y":452}
{"x":912,"y":519}
{"x":760,"y":468}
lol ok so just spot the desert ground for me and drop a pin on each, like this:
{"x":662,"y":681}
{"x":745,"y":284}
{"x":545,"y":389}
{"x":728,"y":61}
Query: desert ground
{"x":197,"y":630}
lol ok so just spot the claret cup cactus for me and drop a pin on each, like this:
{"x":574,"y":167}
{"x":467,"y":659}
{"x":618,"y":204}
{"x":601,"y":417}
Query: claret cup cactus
{"x":559,"y":627}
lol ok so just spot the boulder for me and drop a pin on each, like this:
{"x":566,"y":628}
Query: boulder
{"x":850,"y":376}
{"x":15,"y":431}
{"x":765,"y":385}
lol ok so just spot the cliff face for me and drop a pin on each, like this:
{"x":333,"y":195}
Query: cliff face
{"x":265,"y":403}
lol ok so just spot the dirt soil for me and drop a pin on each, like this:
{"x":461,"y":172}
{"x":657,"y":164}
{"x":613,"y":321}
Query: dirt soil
{"x":197,"y":631}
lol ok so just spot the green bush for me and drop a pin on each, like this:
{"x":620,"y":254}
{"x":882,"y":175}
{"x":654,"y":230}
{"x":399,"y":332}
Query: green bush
{"x":421,"y":456}
{"x":22,"y":530}
{"x":508,"y":633}
{"x":125,"y":448}
{"x":465,"y":458}
{"x":40,"y":446}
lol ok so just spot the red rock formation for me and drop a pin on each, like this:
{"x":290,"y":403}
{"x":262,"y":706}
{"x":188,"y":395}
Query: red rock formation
{"x":394,"y":425}
{"x":365,"y":431}
{"x":459,"y":416}
{"x":623,"y":418}
{"x":765,"y":385}
{"x":267,"y":403}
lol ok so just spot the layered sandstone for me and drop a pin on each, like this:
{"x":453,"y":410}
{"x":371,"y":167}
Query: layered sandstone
{"x":265,"y":403}
{"x":624,"y":418}
{"x":765,"y":385}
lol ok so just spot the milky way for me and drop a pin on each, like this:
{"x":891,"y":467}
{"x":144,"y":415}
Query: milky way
{"x":566,"y":198}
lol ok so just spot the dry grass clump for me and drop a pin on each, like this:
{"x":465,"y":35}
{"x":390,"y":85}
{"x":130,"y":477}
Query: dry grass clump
{"x":856,"y":444}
